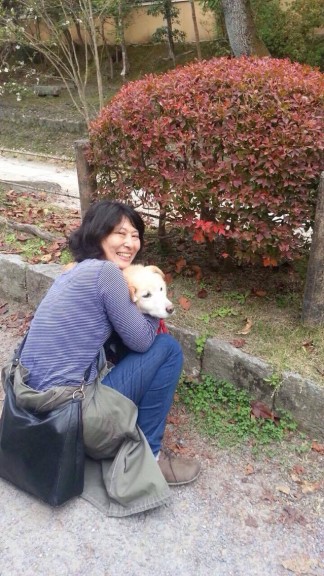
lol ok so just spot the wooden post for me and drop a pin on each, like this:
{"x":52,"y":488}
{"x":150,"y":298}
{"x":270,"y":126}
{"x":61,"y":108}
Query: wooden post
{"x":86,"y":175}
{"x":313,"y":304}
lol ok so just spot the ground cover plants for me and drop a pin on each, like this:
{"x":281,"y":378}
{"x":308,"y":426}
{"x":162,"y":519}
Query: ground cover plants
{"x":230,"y":414}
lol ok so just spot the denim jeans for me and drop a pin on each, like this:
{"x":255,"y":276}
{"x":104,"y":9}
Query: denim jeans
{"x":149,"y":379}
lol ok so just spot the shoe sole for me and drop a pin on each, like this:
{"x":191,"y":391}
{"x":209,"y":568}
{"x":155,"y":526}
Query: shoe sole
{"x":184,"y":481}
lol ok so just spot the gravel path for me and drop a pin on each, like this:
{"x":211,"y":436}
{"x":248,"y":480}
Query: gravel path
{"x":55,"y":178}
{"x":245,"y":516}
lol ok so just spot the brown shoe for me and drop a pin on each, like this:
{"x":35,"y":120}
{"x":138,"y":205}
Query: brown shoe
{"x":178,"y":471}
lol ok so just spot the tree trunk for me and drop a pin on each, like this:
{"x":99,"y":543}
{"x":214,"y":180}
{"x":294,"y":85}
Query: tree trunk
{"x":168,"y":18}
{"x":95,"y":52}
{"x":313,"y":305}
{"x":78,"y":30}
{"x":121,"y":35}
{"x":241,"y":31}
{"x":195,"y":25}
{"x":86,"y":175}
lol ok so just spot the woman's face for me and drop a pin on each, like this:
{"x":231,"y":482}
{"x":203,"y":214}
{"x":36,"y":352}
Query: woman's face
{"x":122,"y":244}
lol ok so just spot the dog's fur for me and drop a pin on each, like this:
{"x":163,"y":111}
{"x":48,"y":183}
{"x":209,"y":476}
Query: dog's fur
{"x":147,"y":289}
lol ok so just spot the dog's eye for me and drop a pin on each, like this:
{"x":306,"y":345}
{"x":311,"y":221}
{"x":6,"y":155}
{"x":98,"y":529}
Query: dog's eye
{"x":147,"y":295}
{"x":161,"y":289}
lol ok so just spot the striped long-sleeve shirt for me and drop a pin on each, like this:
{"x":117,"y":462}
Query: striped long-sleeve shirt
{"x":77,"y":315}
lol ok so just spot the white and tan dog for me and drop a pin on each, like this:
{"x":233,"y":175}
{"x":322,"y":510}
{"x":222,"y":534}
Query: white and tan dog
{"x":147,"y":289}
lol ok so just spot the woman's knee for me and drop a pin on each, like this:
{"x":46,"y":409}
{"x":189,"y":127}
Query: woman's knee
{"x":171,"y":346}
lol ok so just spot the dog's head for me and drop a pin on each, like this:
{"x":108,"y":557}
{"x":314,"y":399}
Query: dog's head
{"x":147,"y":289}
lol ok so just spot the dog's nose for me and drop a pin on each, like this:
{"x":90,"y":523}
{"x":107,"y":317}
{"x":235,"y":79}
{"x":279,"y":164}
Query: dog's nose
{"x":170,"y":309}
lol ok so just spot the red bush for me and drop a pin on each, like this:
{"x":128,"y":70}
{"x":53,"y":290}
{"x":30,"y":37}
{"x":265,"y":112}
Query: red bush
{"x":227,"y":146}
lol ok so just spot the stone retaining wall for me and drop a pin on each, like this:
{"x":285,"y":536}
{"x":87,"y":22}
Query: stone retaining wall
{"x":70,"y":126}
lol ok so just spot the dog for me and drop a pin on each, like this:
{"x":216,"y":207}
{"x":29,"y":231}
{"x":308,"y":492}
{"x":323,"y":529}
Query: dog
{"x":147,"y":289}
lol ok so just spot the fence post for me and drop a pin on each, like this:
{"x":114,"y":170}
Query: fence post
{"x":313,"y":304}
{"x":86,"y":175}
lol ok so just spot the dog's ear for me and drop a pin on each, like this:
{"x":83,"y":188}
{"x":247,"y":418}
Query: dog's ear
{"x":132,"y":293}
{"x":156,"y":270}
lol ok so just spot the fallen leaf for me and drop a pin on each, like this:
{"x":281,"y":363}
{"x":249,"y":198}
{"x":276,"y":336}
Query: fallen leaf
{"x":46,"y":258}
{"x":247,"y":327}
{"x":267,"y":495}
{"x":176,"y":448}
{"x":292,"y":516}
{"x":308,"y":345}
{"x":309,"y":487}
{"x":295,"y":478}
{"x":198,"y":272}
{"x":173,"y":420}
{"x":301,"y":564}
{"x":284,"y":489}
{"x":4,"y":308}
{"x":317,"y":447}
{"x":260,"y":410}
{"x":184,"y":303}
{"x":250,"y":521}
{"x":168,"y":278}
{"x":260,"y":293}
{"x":298,"y":469}
{"x":249,"y":469}
{"x":238,"y":342}
{"x":180,"y":264}
{"x":22,"y":237}
{"x":202,"y":293}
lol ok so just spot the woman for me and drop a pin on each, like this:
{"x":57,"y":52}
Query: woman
{"x":64,"y":346}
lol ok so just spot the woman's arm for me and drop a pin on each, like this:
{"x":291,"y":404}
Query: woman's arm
{"x":136,"y":330}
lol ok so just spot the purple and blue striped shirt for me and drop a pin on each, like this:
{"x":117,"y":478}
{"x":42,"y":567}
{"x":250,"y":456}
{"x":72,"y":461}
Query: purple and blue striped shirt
{"x":77,"y":315}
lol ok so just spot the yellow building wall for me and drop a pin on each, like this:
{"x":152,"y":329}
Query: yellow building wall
{"x":142,"y":26}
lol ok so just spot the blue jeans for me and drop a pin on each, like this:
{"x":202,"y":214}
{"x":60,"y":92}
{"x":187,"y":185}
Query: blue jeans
{"x":149,"y":379}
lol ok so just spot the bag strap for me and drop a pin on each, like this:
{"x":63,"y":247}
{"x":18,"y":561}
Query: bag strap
{"x":78,"y":394}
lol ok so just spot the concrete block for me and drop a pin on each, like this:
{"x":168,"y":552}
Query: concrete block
{"x":225,"y":362}
{"x":13,"y":277}
{"x":187,"y":340}
{"x":47,"y":90}
{"x":39,"y":278}
{"x":305,"y":400}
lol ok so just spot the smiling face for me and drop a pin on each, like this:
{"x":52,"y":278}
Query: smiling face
{"x":122,"y":244}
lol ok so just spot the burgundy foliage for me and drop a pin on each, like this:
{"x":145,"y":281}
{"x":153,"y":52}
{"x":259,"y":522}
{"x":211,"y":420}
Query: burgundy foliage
{"x":228,"y":147}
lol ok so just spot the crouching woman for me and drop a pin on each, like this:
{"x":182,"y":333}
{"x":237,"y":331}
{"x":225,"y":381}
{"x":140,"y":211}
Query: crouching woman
{"x":124,"y":409}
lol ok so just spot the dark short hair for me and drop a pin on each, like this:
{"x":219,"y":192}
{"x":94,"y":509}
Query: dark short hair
{"x":99,"y":221}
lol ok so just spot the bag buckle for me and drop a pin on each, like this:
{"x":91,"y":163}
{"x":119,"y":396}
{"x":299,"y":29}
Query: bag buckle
{"x":79,"y":393}
{"x":12,"y":367}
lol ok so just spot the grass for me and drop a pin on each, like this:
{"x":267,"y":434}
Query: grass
{"x":234,"y":298}
{"x":17,"y":136}
{"x":27,"y":249}
{"x":49,"y":141}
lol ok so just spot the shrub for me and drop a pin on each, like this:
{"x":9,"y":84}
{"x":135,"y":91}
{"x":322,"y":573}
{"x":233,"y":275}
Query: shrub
{"x":230,"y":147}
{"x":292,"y":30}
